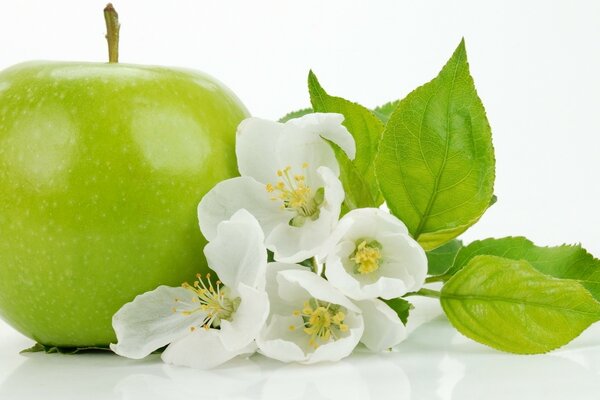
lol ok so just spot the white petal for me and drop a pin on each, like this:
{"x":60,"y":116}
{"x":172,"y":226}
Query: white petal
{"x":149,"y":323}
{"x":294,"y":244}
{"x":277,"y":304}
{"x":201,"y":349}
{"x":264,"y":147}
{"x":404,"y":265}
{"x":277,"y":341}
{"x":341,"y":348}
{"x":384,"y":287}
{"x":328,"y":126}
{"x":406,"y":259}
{"x":237,"y":253}
{"x":361,"y":287}
{"x":383,"y":327}
{"x":301,"y":147}
{"x":334,"y":191}
{"x":363,"y":223}
{"x":369,"y":223}
{"x":294,"y":287}
{"x":231,"y":195}
{"x":256,"y":149}
{"x":247,"y":321}
{"x":337,"y":274}
{"x":316,"y":286}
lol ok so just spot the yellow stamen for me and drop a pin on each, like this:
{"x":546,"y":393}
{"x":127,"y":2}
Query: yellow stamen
{"x":321,"y":321}
{"x":212,"y":300}
{"x":367,"y":257}
{"x":296,"y":195}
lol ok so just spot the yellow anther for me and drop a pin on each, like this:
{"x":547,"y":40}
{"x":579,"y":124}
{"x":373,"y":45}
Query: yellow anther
{"x":292,"y":328}
{"x":210,"y":299}
{"x":339,"y":317}
{"x":321,"y":321}
{"x":296,"y":195}
{"x":367,"y":257}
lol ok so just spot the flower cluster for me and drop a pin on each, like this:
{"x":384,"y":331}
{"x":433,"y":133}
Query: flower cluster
{"x":287,"y":202}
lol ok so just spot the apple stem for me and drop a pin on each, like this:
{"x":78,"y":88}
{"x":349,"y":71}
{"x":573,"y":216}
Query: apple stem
{"x":112,"y":32}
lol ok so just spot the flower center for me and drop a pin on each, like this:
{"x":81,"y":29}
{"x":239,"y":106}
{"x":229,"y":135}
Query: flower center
{"x":297,"y":196}
{"x":321,"y":321}
{"x":214,"y":300}
{"x":367,"y":257}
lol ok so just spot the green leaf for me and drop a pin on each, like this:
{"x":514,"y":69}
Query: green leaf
{"x":401,"y":306}
{"x":509,"y":305}
{"x":360,"y":193}
{"x":358,"y":174}
{"x":385,"y":111}
{"x":436,"y":161}
{"x":441,"y":259}
{"x":567,"y":262}
{"x":48,"y":349}
{"x":38,"y":347}
{"x":296,"y":114}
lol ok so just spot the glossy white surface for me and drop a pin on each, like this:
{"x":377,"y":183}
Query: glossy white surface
{"x":535,"y":64}
{"x":435,"y":362}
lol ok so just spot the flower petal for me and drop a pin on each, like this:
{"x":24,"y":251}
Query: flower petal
{"x":384,"y":287}
{"x":297,"y":142}
{"x":293,"y":244}
{"x":368,"y":223}
{"x":361,"y":287}
{"x":277,"y":341}
{"x":248,"y":319}
{"x":317,"y":287}
{"x":149,"y":322}
{"x":237,"y":253}
{"x":277,"y":304}
{"x":337,"y":274}
{"x":340,"y":348}
{"x":403,"y":263}
{"x":383,"y":327}
{"x":406,"y":260}
{"x":231,"y":195}
{"x":301,"y":148}
{"x":256,"y":149}
{"x":201,"y":349}
{"x":328,"y":126}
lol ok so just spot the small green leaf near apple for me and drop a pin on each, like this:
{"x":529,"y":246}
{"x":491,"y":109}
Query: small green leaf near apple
{"x":102,"y":166}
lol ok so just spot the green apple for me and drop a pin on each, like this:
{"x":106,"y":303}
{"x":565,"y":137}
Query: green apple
{"x":101,"y":170}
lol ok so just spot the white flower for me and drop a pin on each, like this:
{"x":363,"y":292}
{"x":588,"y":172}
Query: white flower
{"x":383,"y":327}
{"x":310,"y":320}
{"x":372,"y":255}
{"x":289,"y":183}
{"x":204,"y":324}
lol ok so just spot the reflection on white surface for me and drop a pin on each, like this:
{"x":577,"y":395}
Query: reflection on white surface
{"x":435,"y":362}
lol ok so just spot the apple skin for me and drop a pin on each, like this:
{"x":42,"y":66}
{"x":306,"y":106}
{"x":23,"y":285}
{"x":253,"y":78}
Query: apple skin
{"x":102,"y":167}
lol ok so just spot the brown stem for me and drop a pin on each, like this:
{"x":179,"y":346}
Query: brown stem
{"x":112,"y":32}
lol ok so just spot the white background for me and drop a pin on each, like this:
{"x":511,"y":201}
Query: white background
{"x":536,"y":65}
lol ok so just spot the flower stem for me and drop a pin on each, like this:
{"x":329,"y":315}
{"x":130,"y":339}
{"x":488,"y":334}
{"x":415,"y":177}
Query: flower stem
{"x":112,"y":32}
{"x":425,"y":293}
{"x":437,"y":278}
